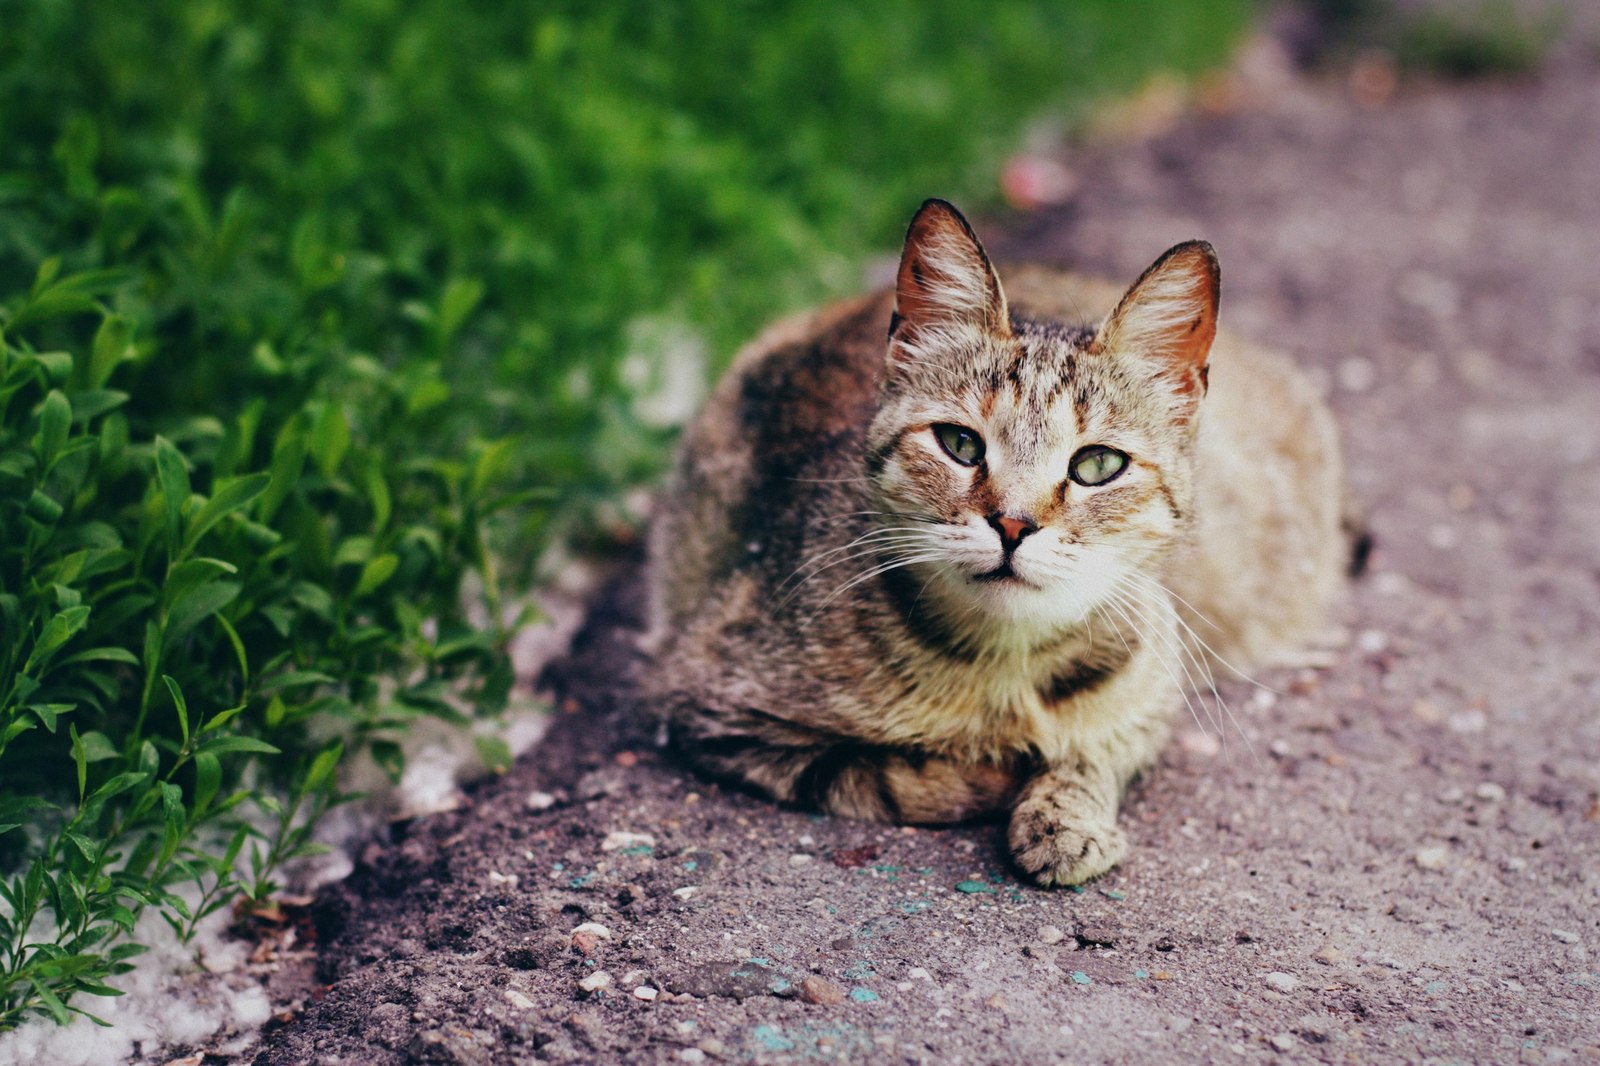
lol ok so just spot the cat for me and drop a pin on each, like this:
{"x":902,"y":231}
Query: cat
{"x":971,"y":568}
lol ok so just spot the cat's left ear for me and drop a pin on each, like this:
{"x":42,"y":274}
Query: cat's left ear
{"x":1170,"y":316}
{"x":945,"y":279}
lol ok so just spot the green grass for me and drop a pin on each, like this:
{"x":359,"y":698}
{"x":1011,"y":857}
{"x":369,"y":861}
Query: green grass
{"x":307,"y":311}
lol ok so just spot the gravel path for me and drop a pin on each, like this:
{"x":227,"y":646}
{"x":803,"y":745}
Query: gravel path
{"x":1398,"y":860}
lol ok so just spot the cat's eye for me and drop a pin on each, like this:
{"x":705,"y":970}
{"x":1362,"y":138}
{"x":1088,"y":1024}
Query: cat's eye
{"x":959,"y":443}
{"x":1097,"y":464}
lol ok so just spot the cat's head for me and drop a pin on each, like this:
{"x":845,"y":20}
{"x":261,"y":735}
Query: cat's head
{"x":1032,"y":470}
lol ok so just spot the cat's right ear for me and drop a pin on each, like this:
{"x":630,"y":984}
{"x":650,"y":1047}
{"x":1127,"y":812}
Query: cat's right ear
{"x":945,"y":280}
{"x":1169,"y":316}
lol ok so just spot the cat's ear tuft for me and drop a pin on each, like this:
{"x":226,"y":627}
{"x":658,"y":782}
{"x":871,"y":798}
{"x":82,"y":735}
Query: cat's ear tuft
{"x":1170,"y":315}
{"x":945,"y":278}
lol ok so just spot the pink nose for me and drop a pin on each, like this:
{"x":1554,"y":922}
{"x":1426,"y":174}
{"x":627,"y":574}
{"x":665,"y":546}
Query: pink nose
{"x":1011,"y":530}
{"x":1014,"y":528}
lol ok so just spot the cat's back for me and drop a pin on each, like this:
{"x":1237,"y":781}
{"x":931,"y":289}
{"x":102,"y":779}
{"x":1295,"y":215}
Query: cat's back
{"x":778,"y":443}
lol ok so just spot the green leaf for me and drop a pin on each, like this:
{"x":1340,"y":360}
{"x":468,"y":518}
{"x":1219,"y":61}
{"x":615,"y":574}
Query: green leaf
{"x":207,"y":780}
{"x":376,"y":572}
{"x":80,"y":759}
{"x":323,"y":766}
{"x":60,"y":629}
{"x":461,"y":295}
{"x":181,"y":704}
{"x":330,"y":439}
{"x":198,"y":603}
{"x":112,"y":344}
{"x":288,"y":459}
{"x":55,"y":420}
{"x":230,"y":745}
{"x":494,"y":752}
{"x":97,"y":747}
{"x":52,"y":1002}
{"x":230,"y":498}
{"x":173,"y":475}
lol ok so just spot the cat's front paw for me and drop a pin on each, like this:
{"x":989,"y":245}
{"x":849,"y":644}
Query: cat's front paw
{"x":1058,"y":846}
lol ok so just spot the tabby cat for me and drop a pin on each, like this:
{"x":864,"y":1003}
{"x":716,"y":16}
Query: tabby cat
{"x":974,"y":567}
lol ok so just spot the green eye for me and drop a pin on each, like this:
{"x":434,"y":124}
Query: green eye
{"x":1097,"y":464}
{"x":960,"y":443}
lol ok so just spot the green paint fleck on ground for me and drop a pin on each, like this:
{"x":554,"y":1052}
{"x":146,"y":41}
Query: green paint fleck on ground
{"x":863,"y":995}
{"x":1111,"y":893}
{"x":1081,"y":978}
{"x":973,"y":887}
{"x":770,"y":1038}
{"x":638,"y":849}
{"x":915,"y":906}
{"x":1141,"y":974}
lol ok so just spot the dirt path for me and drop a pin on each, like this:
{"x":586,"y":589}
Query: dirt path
{"x":1403,"y":864}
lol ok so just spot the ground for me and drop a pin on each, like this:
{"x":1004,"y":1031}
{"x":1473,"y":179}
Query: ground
{"x":1396,"y":858}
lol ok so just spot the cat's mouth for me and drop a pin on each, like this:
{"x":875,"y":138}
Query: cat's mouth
{"x":1005,"y":575}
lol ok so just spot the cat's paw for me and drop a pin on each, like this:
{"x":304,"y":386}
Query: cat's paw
{"x":1062,"y":847}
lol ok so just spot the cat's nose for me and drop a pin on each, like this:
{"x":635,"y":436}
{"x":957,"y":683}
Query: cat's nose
{"x":1012,"y":529}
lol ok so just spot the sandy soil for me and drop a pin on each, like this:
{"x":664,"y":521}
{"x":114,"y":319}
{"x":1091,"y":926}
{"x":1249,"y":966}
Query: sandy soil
{"x":1393,"y":859}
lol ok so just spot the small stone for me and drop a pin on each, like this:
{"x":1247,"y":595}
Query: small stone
{"x":497,"y":878}
{"x":821,"y":991}
{"x":1564,"y":936}
{"x":1050,"y":934}
{"x":1283,"y":1042}
{"x":1427,"y":711}
{"x":518,"y":1000}
{"x":686,"y":892}
{"x":595,"y":981}
{"x":1280,"y":749}
{"x":799,"y":859}
{"x":1516,"y":864}
{"x":995,"y":1002}
{"x":1279,"y":981}
{"x":585,"y":944}
{"x":1452,"y":795}
{"x":1490,"y":792}
{"x":616,"y":841}
{"x":691,"y":1054}
{"x":596,"y":928}
{"x":1432,"y":857}
{"x":917,"y":973}
{"x":646,"y":993}
{"x":1372,"y":641}
{"x":540,"y":801}
{"x":1329,"y":955}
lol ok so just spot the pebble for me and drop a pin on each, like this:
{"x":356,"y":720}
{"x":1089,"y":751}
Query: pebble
{"x":498,"y":878}
{"x":1432,"y":857}
{"x":799,"y":859}
{"x":917,"y":973}
{"x":686,"y":892}
{"x":691,"y":1054}
{"x":1564,"y":936}
{"x":821,"y":991}
{"x":1329,"y":955}
{"x":646,"y":993}
{"x":1490,"y":792}
{"x":585,"y":943}
{"x":1283,"y":1042}
{"x":540,"y":801}
{"x":616,"y":841}
{"x":596,"y":928}
{"x":595,"y":981}
{"x":518,"y":1000}
{"x":1051,"y":934}
{"x":1282,"y":982}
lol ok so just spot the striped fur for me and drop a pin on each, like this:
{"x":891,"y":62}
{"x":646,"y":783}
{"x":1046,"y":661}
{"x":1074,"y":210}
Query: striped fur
{"x":837,"y":620}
